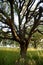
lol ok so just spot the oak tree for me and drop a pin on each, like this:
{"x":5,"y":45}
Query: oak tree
{"x":28,"y":16}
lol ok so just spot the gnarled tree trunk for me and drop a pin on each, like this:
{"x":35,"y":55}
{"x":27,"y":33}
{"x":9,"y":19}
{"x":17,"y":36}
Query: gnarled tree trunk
{"x":23,"y":51}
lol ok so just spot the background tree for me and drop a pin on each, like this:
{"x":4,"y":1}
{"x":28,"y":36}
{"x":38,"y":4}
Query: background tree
{"x":27,"y":18}
{"x":35,"y":40}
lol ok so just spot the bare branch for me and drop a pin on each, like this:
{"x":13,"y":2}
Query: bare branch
{"x":41,"y":32}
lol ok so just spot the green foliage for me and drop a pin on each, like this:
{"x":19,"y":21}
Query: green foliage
{"x":40,"y":27}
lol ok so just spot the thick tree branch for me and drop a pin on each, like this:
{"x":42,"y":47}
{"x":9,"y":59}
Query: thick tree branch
{"x":12,"y":11}
{"x":36,"y":23}
{"x":12,"y":27}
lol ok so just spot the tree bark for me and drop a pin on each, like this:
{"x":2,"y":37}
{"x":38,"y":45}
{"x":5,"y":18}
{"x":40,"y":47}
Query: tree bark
{"x":23,"y":51}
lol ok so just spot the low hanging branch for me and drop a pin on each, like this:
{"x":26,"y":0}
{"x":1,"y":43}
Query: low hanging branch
{"x":6,"y":38}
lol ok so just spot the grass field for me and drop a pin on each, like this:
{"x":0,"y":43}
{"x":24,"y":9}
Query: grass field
{"x":9,"y":56}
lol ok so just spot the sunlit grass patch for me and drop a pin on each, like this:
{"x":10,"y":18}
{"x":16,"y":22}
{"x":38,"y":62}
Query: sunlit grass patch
{"x":9,"y":49}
